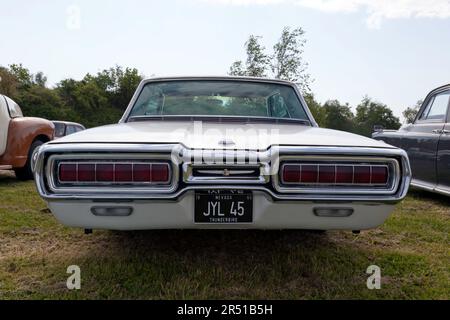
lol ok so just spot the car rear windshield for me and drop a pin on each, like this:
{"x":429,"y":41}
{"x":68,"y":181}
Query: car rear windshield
{"x":218,"y":98}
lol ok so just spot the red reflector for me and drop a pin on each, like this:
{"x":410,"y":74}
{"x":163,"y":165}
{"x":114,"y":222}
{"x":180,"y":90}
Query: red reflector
{"x":123,"y":173}
{"x":327,"y":174}
{"x":309,"y":174}
{"x":344,"y":174}
{"x":160,"y":173}
{"x":291,"y":173}
{"x":141,"y":173}
{"x":86,"y":172}
{"x":105,"y":172}
{"x":379,"y":175}
{"x":68,"y":172}
{"x":362,"y":175}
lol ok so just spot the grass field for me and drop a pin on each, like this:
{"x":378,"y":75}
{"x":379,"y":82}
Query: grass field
{"x":411,"y":248}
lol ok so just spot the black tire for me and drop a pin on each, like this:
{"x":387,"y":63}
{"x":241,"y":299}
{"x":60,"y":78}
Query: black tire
{"x":26,"y":173}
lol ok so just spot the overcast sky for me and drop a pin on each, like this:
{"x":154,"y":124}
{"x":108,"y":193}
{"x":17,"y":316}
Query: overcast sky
{"x":394,"y":51}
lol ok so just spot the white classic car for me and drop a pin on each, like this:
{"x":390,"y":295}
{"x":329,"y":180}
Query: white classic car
{"x":219,"y":152}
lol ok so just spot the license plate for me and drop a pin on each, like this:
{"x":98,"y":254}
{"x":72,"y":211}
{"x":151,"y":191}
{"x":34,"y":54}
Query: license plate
{"x":223,"y":206}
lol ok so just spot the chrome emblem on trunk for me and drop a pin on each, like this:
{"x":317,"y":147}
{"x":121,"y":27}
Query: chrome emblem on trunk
{"x":226,"y":143}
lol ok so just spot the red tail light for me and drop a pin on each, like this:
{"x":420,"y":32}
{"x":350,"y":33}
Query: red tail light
{"x":93,"y":172}
{"x":160,"y":173}
{"x":105,"y":172}
{"x":361,"y":174}
{"x":123,"y":173}
{"x":68,"y":172}
{"x":327,"y":174}
{"x":334,"y":174}
{"x":344,"y":174}
{"x":142,"y":172}
{"x":380,"y":174}
{"x":291,"y":173}
{"x":308,"y":173}
{"x":86,"y":172}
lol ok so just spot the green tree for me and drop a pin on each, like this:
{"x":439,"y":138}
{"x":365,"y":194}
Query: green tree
{"x":22,"y":75}
{"x":42,"y":102}
{"x":8,"y":83}
{"x":411,"y":112}
{"x":102,"y":98}
{"x":337,"y":116}
{"x":119,"y":84}
{"x":286,"y":62}
{"x":40,"y":79}
{"x":237,"y":69}
{"x":316,"y":109}
{"x":257,"y":62}
{"x":370,"y":113}
{"x":95,"y":100}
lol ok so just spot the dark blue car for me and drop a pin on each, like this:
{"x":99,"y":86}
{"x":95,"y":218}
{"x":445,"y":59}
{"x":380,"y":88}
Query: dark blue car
{"x":427,"y":142}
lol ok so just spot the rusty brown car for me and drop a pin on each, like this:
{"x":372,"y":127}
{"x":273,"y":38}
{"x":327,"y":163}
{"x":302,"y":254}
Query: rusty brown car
{"x":19,"y":137}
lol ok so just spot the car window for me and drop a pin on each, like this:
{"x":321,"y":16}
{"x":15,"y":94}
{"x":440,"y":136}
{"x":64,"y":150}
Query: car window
{"x":78,"y":128}
{"x":59,"y":129}
{"x":70,"y":129}
{"x":278,"y":107}
{"x":14,"y":109}
{"x":150,"y":101}
{"x":436,"y":108}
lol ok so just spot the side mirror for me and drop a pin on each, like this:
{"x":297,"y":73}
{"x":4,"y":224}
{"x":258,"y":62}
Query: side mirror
{"x":378,"y":128}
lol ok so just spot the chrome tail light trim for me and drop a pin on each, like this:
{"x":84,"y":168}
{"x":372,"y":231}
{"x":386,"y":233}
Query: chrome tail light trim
{"x":395,"y":175}
{"x":98,"y":187}
{"x":100,"y":183}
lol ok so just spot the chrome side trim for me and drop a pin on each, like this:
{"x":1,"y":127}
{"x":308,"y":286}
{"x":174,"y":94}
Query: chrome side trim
{"x":427,"y":187}
{"x":440,"y":190}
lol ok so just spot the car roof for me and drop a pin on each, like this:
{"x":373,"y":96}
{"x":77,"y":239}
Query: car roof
{"x":67,"y":122}
{"x":441,"y":88}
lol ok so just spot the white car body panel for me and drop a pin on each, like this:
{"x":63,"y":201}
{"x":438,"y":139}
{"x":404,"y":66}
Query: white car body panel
{"x":179,"y":215}
{"x":195,"y":135}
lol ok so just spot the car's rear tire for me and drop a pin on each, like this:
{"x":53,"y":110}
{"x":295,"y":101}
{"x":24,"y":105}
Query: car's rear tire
{"x":26,"y":173}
